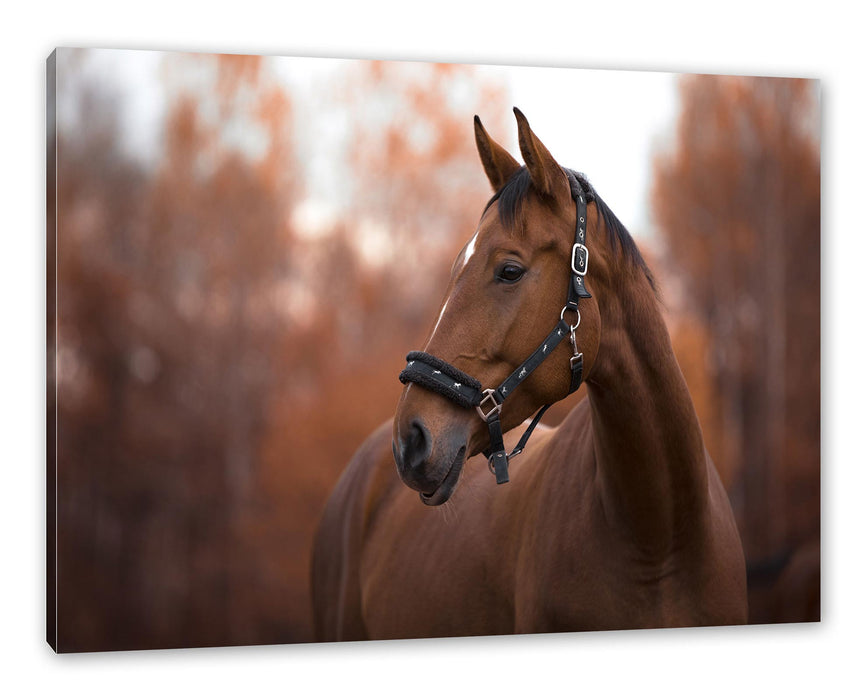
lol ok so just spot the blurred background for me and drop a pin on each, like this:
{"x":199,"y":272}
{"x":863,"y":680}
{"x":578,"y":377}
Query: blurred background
{"x":248,"y":246}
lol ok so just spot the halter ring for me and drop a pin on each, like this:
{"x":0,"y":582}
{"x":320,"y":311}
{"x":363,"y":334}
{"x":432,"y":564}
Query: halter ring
{"x":562,"y":317}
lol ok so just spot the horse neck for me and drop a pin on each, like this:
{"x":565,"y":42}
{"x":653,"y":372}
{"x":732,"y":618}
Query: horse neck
{"x":648,"y":444}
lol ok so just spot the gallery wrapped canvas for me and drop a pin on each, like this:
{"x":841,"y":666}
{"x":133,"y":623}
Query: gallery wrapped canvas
{"x":242,"y":252}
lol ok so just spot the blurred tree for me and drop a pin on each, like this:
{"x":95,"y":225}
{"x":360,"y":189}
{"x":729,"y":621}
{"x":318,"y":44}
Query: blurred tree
{"x":216,"y":368}
{"x":98,"y":198}
{"x":168,"y":322}
{"x":415,"y":191}
{"x":221,"y":206}
{"x":738,"y":204}
{"x":417,"y":172}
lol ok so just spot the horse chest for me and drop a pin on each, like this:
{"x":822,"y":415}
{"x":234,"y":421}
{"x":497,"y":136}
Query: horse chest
{"x":425,"y":574}
{"x":545,"y":562}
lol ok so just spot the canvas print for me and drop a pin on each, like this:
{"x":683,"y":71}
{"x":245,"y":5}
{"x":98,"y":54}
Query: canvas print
{"x":343,"y":350}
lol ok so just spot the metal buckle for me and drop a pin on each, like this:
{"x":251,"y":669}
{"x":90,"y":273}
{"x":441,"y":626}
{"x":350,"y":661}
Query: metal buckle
{"x":583,"y":260}
{"x":577,"y":356}
{"x":497,"y":407}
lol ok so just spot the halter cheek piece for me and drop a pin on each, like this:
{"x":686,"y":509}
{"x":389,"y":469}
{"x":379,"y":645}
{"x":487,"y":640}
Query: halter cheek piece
{"x":443,"y":378}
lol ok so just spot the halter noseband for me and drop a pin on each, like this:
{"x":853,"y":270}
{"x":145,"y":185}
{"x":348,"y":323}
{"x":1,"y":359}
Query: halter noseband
{"x":445,"y":379}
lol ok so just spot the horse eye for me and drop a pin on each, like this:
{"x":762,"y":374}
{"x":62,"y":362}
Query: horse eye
{"x":510,"y":273}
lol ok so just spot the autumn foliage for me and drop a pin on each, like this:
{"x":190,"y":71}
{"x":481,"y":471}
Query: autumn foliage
{"x":218,"y":364}
{"x":219,"y":358}
{"x":737,"y":200}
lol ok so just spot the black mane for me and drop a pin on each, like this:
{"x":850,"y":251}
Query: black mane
{"x":514,"y":192}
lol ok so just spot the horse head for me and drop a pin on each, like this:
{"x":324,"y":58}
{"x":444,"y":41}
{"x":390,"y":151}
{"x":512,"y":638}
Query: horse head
{"x":510,"y":284}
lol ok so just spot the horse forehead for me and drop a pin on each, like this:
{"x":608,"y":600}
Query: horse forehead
{"x":539,"y":222}
{"x":533,"y":226}
{"x":479,"y":246}
{"x":527,"y":235}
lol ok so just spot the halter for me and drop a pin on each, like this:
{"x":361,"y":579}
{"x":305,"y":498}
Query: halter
{"x":445,"y":379}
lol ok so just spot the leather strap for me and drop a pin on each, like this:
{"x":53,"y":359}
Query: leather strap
{"x":576,"y":372}
{"x":577,"y":290}
{"x":532,"y":362}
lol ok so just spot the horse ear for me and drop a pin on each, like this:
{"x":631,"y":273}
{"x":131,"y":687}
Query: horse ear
{"x":545,"y":172}
{"x":498,"y":163}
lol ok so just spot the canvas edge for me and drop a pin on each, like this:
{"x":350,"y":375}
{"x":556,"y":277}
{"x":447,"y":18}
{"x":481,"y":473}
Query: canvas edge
{"x":51,"y":351}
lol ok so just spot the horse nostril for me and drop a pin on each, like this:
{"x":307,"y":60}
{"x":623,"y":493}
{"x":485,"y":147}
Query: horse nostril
{"x":417,"y":447}
{"x":412,"y":450}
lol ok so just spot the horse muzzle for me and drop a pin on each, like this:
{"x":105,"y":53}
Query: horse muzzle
{"x":432,"y":470}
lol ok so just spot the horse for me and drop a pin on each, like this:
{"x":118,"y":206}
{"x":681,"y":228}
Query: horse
{"x":615,"y":519}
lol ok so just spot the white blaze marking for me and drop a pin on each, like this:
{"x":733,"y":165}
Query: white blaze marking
{"x":441,"y":314}
{"x":470,"y":249}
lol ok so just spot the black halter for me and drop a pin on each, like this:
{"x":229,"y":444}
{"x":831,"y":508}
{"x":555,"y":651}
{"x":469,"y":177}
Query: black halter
{"x":443,"y":378}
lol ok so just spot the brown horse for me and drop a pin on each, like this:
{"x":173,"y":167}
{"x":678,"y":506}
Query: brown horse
{"x":616,"y":519}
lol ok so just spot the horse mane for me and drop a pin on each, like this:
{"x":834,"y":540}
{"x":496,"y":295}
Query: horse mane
{"x":514,"y":192}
